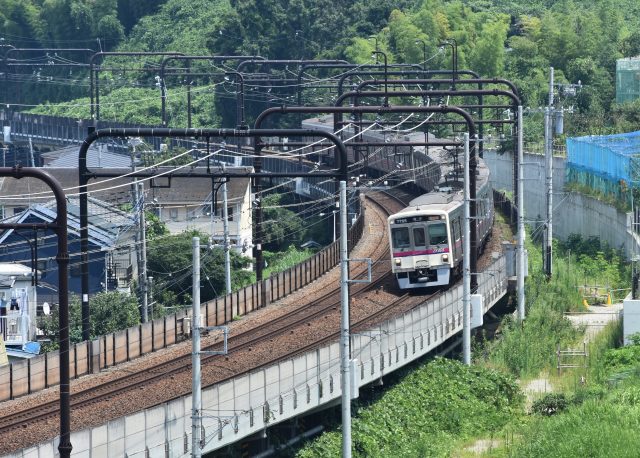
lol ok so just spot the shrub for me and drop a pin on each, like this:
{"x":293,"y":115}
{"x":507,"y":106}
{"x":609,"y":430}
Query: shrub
{"x":550,"y":404}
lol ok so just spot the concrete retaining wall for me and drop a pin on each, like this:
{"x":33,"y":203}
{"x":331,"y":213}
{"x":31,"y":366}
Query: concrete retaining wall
{"x":573,"y":213}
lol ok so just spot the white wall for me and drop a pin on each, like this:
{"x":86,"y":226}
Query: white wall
{"x":573,"y":213}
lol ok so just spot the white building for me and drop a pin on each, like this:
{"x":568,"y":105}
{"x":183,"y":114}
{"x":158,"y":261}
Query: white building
{"x":17,"y":304}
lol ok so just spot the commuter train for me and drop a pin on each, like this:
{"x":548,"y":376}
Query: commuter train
{"x":426,"y":237}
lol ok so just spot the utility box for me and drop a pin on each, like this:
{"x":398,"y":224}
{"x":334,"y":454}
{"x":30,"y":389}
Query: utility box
{"x":631,"y":318}
{"x":477,"y":310}
{"x":511,"y":259}
{"x":354,"y":376}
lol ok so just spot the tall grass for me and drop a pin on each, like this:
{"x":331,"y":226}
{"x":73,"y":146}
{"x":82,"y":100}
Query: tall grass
{"x":594,"y":429}
{"x":526,"y":348}
{"x":427,"y":413}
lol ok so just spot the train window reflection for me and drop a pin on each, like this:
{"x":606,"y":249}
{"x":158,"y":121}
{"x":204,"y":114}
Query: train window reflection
{"x":437,"y":234}
{"x":400,"y":237}
{"x":419,"y":239}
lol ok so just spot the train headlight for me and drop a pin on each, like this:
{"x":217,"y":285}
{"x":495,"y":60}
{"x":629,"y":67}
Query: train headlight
{"x":445,"y":258}
{"x":398,"y":262}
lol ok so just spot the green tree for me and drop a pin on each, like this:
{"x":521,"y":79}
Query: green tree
{"x":487,"y":56}
{"x":109,"y":312}
{"x":281,"y":227}
{"x":170,"y":259}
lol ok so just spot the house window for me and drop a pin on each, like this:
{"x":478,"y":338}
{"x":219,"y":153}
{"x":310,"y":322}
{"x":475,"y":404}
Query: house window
{"x":18,"y":210}
{"x":173,"y":213}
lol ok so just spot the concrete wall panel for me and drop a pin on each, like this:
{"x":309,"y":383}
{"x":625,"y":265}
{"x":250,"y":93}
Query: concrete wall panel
{"x":82,"y":359}
{"x":272,"y":380}
{"x":135,"y":432}
{"x":226,"y":401}
{"x":5,"y":383}
{"x":158,"y":333}
{"x":20,"y":379}
{"x":121,"y":346}
{"x":147,"y":338}
{"x":257,"y":388}
{"x":242,"y":393}
{"x":82,"y":444}
{"x":134,"y":342}
{"x":37,"y":373}
{"x":286,"y":375}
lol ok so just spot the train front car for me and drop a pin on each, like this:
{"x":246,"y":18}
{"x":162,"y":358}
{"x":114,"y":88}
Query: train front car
{"x":425,"y":240}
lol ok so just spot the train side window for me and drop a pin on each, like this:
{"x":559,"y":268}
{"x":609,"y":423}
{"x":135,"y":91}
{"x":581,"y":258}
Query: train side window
{"x":419,"y":239}
{"x":437,"y":234}
{"x":400,"y":237}
{"x":456,"y":229}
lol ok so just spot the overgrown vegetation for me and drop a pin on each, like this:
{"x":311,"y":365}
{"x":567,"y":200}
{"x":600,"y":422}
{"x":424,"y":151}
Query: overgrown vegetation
{"x":433,"y":407}
{"x":581,"y":39}
{"x":396,"y":424}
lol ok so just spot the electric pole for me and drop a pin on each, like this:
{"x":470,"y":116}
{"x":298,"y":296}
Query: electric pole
{"x":553,"y":123}
{"x":225,"y":228}
{"x":137,"y":194}
{"x":466,"y":262}
{"x":548,"y":158}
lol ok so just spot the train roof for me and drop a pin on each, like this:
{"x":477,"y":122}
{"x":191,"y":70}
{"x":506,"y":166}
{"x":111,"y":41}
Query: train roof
{"x":445,"y":198}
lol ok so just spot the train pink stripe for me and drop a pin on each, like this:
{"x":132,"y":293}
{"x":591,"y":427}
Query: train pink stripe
{"x":404,"y":254}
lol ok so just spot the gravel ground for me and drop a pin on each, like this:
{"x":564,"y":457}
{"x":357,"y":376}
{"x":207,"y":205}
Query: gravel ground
{"x":372,"y":244}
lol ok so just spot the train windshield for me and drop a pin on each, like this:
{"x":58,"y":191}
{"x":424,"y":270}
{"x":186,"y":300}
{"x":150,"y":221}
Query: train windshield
{"x":437,"y":234}
{"x":400,"y":237}
{"x":419,"y":240}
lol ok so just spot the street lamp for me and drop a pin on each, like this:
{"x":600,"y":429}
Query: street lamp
{"x":374,"y":37}
{"x":240,"y":123}
{"x":386,"y":75}
{"x":334,"y":221}
{"x":424,"y":52}
{"x":454,"y":57}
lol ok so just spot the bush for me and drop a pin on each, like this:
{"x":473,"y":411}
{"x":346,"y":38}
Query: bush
{"x":550,"y":404}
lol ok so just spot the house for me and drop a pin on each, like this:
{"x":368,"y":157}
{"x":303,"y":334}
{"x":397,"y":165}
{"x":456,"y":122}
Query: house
{"x":111,"y":246}
{"x":181,"y":203}
{"x":188,"y":204}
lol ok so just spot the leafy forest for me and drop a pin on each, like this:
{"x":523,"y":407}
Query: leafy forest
{"x":515,"y":40}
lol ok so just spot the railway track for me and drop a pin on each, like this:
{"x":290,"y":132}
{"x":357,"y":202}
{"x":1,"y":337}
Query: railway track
{"x":303,"y":316}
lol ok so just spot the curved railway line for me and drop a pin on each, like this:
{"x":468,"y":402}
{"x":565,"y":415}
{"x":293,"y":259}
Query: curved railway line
{"x":301,"y":323}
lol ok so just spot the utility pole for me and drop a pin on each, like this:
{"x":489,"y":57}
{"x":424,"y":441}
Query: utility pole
{"x":143,"y":238}
{"x":141,"y":250}
{"x":196,"y":382}
{"x":225,"y":228}
{"x":553,"y":123}
{"x":33,"y":161}
{"x":197,"y":438}
{"x":548,"y":160}
{"x":345,"y":381}
{"x":520,"y":245}
{"x":466,"y":262}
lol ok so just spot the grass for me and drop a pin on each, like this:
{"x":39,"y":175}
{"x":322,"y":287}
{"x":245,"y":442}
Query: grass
{"x":432,"y":408}
{"x":446,"y":409}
